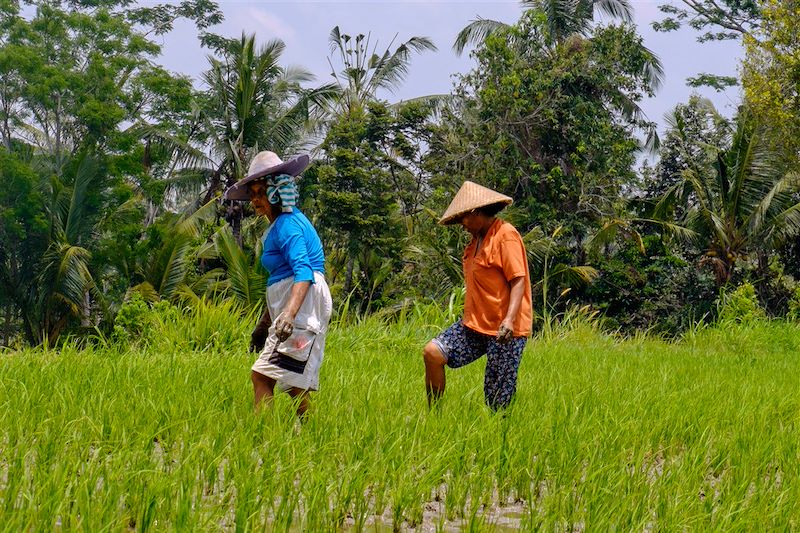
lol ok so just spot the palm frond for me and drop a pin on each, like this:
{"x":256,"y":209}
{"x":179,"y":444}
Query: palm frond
{"x":75,"y":221}
{"x":267,"y":56}
{"x":566,"y":17}
{"x":245,"y":281}
{"x":171,"y":265}
{"x":209,"y":283}
{"x":186,"y":296}
{"x":786,"y":224}
{"x":392,"y":68}
{"x":192,"y":225}
{"x":572,"y":276}
{"x":538,"y":245}
{"x":187,"y":182}
{"x":476,"y":33}
{"x":618,"y":9}
{"x":146,"y":290}
{"x":667,"y":202}
{"x":783,"y":188}
{"x":66,"y":273}
{"x":653,"y":70}
{"x":700,"y":186}
{"x":295,"y":74}
{"x":632,"y":112}
{"x":609,"y":232}
{"x":335,"y":40}
{"x":130,"y":208}
{"x":281,"y":133}
{"x":181,"y":151}
{"x":57,"y":206}
{"x":717,"y":225}
{"x":207,"y":250}
{"x":682,"y":233}
{"x":740,"y":155}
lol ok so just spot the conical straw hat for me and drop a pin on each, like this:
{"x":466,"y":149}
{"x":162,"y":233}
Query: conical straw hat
{"x":472,"y":196}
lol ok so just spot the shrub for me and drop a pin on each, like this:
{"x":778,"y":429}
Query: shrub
{"x":139,"y":322}
{"x":794,"y":305}
{"x":132,"y":319}
{"x":207,"y":326}
{"x":657,"y":291}
{"x":740,"y":305}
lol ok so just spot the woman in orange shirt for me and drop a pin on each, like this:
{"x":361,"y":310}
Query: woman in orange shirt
{"x":497,"y":309}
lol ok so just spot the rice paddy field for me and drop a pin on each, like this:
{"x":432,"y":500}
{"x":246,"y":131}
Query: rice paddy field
{"x":158,"y":434}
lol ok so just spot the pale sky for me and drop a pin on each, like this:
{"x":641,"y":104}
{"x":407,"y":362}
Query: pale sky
{"x":305,"y":25}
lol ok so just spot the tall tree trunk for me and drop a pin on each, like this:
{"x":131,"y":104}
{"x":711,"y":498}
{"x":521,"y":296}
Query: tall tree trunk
{"x":7,"y":326}
{"x":151,"y":212}
{"x":348,"y":277}
{"x":580,"y":249}
{"x":6,"y":131}
{"x":86,"y":311}
{"x":233,"y":216}
{"x":763,"y":278}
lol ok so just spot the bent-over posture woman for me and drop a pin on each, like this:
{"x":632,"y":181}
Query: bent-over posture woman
{"x":497,"y":309}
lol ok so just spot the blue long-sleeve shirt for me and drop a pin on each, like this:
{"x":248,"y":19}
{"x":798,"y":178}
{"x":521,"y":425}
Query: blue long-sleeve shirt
{"x":292,"y":248}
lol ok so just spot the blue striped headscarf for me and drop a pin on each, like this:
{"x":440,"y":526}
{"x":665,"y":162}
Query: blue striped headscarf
{"x":283,"y":187}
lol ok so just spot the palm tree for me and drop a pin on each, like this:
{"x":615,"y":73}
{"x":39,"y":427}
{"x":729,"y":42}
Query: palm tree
{"x":253,"y":103}
{"x":564,"y":18}
{"x":250,"y":103}
{"x":245,"y":279}
{"x":360,"y":72}
{"x":743,"y":202}
{"x":65,"y":277}
{"x":163,"y":272}
{"x":570,"y":22}
{"x":364,"y":72}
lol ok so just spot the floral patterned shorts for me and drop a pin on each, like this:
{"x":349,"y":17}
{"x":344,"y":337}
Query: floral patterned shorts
{"x":461,"y":346}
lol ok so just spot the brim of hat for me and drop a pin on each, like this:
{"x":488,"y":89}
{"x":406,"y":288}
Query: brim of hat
{"x":293,"y":167}
{"x":453,"y":217}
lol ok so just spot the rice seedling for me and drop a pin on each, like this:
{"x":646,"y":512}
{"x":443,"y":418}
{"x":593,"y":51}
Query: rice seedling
{"x":159,"y":434}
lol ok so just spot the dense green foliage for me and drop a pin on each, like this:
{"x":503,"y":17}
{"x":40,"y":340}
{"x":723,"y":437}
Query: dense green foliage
{"x":112,"y":168}
{"x":540,"y":120}
{"x":771,"y":74}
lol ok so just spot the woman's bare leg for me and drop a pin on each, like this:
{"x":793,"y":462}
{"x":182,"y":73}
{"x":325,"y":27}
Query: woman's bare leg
{"x":303,"y":399}
{"x":263,"y":390}
{"x":434,"y":372}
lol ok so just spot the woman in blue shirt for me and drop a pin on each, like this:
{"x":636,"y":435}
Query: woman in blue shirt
{"x":290,"y":336}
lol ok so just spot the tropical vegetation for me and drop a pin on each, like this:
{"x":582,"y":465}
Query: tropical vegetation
{"x":113,"y":167}
{"x":657,"y":392}
{"x":152,"y":429}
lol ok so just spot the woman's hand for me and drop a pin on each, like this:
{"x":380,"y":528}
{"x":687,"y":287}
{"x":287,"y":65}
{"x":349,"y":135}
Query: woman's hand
{"x":284,"y":325}
{"x":506,"y":331}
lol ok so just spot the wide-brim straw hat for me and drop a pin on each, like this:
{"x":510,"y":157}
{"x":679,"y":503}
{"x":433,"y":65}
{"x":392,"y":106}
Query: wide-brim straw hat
{"x":472,"y":196}
{"x":264,"y":164}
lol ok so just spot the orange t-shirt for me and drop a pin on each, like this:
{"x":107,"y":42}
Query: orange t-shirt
{"x":500,"y":259}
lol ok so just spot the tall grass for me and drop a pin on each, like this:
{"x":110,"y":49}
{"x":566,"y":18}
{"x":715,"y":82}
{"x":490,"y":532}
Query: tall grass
{"x":605,"y":433}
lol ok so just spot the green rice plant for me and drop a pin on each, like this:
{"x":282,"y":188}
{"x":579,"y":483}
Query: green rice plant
{"x":605,"y":433}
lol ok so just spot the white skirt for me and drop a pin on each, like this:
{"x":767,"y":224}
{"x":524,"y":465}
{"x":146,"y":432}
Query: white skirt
{"x":296,"y":361}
